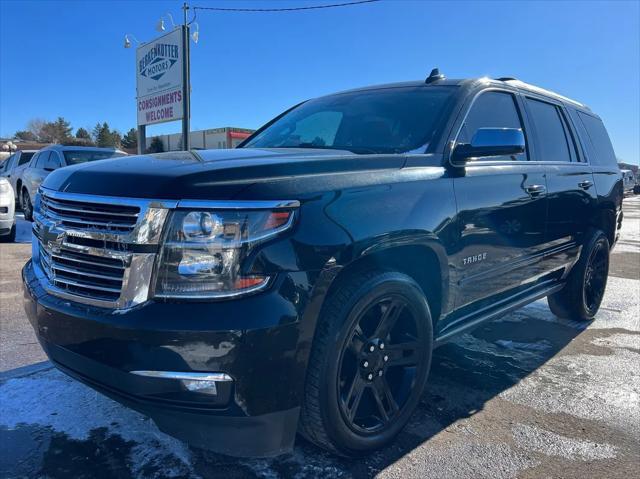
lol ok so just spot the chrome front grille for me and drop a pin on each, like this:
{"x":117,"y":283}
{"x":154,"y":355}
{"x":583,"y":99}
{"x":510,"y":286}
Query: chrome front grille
{"x":97,"y":250}
{"x":87,"y":215}
{"x":83,"y":274}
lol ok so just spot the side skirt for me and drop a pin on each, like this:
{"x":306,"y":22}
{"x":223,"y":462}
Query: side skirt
{"x":475,"y":319}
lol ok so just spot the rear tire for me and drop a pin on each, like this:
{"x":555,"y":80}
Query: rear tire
{"x":27,"y":206}
{"x":369,"y":363}
{"x":581,"y":297}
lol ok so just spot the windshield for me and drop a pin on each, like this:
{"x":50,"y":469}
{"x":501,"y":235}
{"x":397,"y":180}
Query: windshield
{"x":391,"y":120}
{"x":74,"y":157}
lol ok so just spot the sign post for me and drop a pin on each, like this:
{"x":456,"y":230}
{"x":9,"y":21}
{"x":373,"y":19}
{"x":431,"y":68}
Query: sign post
{"x":186,"y":85}
{"x":162,"y":83}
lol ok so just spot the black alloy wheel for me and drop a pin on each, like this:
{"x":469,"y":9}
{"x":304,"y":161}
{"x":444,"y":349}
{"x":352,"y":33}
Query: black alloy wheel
{"x":585,"y":286}
{"x":595,"y":278}
{"x":378,"y":366}
{"x":369,"y":362}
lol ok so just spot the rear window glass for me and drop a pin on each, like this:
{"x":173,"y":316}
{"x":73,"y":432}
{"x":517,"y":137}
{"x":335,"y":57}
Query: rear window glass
{"x":601,"y":150}
{"x":74,"y":157}
{"x":25,"y":157}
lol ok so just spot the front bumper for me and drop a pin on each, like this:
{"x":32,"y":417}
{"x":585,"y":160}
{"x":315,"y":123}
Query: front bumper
{"x":6,"y":224}
{"x":261,"y":341}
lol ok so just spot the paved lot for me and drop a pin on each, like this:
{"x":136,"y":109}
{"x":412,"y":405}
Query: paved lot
{"x":526,"y":396}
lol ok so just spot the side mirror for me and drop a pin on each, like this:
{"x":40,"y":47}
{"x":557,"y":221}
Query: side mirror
{"x":491,"y":142}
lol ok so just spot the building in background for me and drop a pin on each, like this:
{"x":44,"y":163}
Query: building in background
{"x":215,"y":138}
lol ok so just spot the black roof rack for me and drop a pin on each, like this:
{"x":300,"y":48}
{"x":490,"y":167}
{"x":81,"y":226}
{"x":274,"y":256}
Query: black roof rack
{"x":506,"y":79}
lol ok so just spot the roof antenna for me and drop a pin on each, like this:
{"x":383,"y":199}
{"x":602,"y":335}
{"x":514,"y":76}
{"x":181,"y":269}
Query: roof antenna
{"x":434,"y":76}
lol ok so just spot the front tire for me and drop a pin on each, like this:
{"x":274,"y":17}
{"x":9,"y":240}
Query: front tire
{"x":581,"y":297}
{"x":27,"y":206}
{"x":369,"y":363}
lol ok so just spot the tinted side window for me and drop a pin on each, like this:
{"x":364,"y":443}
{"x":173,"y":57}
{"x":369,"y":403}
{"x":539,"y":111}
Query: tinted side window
{"x":553,"y":141}
{"x":53,"y":162}
{"x":6,"y":166}
{"x":41,"y":160}
{"x":601,"y":151}
{"x":24,"y":158}
{"x":492,"y":110}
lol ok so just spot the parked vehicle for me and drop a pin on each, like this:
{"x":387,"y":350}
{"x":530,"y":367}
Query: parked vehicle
{"x":302,"y":281}
{"x":629,"y":181}
{"x":14,"y":166}
{"x":50,"y":159}
{"x":7,"y":212}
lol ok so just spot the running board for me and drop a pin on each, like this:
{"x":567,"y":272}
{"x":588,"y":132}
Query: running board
{"x":494,"y":313}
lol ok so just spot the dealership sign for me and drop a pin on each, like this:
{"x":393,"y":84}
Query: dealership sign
{"x":159,"y":79}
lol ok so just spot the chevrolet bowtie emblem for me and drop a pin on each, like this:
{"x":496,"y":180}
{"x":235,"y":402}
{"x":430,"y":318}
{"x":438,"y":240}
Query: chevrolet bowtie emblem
{"x":53,"y":237}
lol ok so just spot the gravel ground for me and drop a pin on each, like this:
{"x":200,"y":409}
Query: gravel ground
{"x":524,"y":396}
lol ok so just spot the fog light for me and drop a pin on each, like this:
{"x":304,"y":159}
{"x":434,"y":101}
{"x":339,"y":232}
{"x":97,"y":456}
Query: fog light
{"x":200,"y":386}
{"x":204,"y":383}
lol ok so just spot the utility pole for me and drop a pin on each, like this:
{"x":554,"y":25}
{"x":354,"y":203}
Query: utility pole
{"x":186,"y":82}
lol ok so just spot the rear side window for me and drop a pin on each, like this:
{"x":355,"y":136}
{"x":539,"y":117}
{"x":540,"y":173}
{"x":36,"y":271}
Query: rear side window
{"x":53,"y":162}
{"x":553,"y":141}
{"x":600,"y":148}
{"x":41,"y":160}
{"x":24,"y":158}
{"x":492,"y":110}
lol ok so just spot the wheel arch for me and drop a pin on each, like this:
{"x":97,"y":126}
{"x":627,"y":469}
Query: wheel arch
{"x":425,"y":261}
{"x":605,"y":220}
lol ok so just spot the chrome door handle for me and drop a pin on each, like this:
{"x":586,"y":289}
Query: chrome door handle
{"x":535,"y":190}
{"x":586,"y":184}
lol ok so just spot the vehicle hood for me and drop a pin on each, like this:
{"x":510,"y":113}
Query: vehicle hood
{"x":208,"y":174}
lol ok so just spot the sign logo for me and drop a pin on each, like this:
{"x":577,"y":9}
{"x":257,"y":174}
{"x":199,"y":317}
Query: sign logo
{"x":158,"y":60}
{"x":159,"y":79}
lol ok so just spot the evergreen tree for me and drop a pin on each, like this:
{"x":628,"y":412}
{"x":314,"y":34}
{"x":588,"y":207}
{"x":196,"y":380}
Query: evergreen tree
{"x":156,"y":145}
{"x":82,"y":134}
{"x":130,"y":140}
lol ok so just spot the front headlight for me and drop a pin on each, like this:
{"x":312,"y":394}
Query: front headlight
{"x":5,"y":187}
{"x":203,"y":251}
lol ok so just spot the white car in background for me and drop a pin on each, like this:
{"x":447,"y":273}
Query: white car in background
{"x":7,"y":212}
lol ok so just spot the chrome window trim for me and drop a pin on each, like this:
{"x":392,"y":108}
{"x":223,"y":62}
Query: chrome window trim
{"x":521,"y":114}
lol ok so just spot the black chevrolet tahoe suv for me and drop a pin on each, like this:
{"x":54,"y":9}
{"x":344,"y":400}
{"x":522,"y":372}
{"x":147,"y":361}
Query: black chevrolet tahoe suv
{"x":300,"y":282}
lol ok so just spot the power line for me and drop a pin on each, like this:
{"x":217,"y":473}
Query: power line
{"x":291,"y":9}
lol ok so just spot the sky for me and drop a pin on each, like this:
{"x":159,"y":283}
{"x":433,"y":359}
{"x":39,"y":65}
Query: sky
{"x":66,"y":58}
